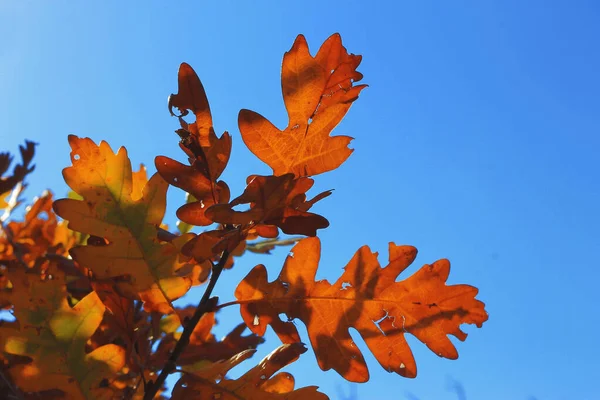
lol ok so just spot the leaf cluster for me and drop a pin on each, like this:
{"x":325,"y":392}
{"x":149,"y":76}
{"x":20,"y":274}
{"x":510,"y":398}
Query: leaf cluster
{"x":92,"y":280}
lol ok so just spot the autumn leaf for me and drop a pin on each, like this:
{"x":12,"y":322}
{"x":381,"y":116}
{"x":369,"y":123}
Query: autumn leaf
{"x":4,"y":200}
{"x":54,"y":336}
{"x":274,"y":200}
{"x":207,"y":153}
{"x":109,"y":210}
{"x":203,"y":344}
{"x":39,"y":235}
{"x":317,"y":91}
{"x":366,"y":297}
{"x":208,"y":382}
{"x":20,"y":171}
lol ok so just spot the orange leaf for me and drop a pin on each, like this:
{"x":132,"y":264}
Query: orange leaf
{"x":207,"y":380}
{"x":35,"y":238}
{"x":366,"y":297}
{"x":317,"y":91}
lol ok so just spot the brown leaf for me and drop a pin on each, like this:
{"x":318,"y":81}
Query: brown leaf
{"x":207,"y":153}
{"x":20,"y":171}
{"x":274,"y":200}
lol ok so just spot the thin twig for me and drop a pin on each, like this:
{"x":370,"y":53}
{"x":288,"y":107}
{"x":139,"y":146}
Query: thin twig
{"x":203,"y":307}
{"x":231,"y":303}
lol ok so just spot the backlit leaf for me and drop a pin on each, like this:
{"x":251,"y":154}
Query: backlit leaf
{"x":108,"y":210}
{"x":366,"y":297}
{"x":209,"y":382}
{"x":54,"y":336}
{"x":317,"y":91}
{"x":207,"y":153}
{"x":274,"y":200}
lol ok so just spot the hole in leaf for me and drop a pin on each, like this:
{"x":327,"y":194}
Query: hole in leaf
{"x":284,"y":317}
{"x":346,"y":285}
{"x":76,"y":157}
{"x":379,"y":321}
{"x":241,"y":207}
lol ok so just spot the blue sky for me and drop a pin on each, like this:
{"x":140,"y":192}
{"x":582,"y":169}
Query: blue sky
{"x":476,"y":141}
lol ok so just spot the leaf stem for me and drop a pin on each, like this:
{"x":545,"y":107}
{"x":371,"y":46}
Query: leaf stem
{"x":204,"y":306}
{"x":231,"y":303}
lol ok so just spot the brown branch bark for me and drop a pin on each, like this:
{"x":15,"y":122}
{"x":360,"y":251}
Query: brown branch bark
{"x":206,"y":305}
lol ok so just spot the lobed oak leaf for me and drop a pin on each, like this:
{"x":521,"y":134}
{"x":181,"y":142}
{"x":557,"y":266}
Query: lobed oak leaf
{"x":274,"y":200}
{"x":208,"y":381}
{"x":317,"y":92}
{"x":130,"y":226}
{"x":366,"y":297}
{"x":54,"y":335}
{"x":207,"y":153}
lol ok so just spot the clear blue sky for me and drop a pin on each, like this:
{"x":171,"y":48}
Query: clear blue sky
{"x":477,"y":140}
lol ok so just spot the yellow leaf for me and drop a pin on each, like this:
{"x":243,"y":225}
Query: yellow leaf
{"x":110,"y":210}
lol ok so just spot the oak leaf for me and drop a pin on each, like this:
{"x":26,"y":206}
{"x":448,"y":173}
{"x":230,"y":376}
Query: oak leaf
{"x":274,"y":200}
{"x":366,"y":297}
{"x":208,"y":154}
{"x":317,"y":92}
{"x":54,"y":336}
{"x":110,"y":211}
{"x":208,"y":382}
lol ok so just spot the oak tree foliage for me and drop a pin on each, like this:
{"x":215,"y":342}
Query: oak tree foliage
{"x":91,"y":279}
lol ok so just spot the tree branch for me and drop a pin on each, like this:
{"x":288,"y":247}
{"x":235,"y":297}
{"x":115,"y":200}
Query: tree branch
{"x":206,"y":305}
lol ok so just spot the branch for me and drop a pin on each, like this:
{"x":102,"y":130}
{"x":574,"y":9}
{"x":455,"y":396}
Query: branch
{"x":206,"y":305}
{"x":231,"y":303}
